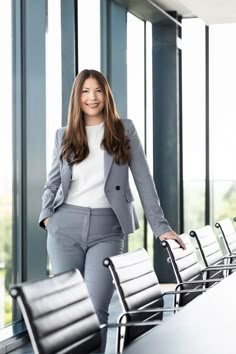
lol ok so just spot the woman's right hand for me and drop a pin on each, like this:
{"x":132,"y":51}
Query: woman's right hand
{"x":45,"y":221}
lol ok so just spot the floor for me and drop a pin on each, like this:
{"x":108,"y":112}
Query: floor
{"x":115,"y":310}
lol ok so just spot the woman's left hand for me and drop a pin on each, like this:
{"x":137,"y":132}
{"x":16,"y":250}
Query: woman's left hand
{"x":173,"y":236}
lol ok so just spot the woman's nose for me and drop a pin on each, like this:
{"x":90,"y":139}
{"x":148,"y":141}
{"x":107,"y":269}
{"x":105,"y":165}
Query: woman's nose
{"x":92,"y":96}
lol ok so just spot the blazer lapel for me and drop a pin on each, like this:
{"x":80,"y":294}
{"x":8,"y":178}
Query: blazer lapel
{"x":108,"y":160}
{"x":66,"y":174}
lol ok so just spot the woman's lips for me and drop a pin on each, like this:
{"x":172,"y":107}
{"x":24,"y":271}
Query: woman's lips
{"x":93,"y":105}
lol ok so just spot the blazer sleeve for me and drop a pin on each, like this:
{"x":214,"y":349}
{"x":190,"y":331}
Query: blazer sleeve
{"x":53,"y":182}
{"x":145,"y":185}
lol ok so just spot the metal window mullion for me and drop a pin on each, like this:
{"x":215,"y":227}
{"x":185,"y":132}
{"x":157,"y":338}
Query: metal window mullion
{"x":207,"y":137}
{"x":145,"y":225}
{"x":17,"y":149}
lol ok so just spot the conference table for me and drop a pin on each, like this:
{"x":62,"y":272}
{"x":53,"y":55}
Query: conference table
{"x":207,"y":325}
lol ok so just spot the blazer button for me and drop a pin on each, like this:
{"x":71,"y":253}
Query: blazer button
{"x":117,"y":188}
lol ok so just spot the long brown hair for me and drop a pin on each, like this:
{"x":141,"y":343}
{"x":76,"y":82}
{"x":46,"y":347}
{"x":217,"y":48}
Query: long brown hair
{"x":75,"y":144}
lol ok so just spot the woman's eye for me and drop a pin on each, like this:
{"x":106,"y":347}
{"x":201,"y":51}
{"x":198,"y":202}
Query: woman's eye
{"x":84,"y":91}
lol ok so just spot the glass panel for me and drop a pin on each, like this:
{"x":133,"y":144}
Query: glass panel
{"x":53,"y":79}
{"x":53,"y":75}
{"x":89,"y":34}
{"x":194,"y":149}
{"x":149,"y":118}
{"x":6,"y":207}
{"x":222,"y":120}
{"x":136,"y":105}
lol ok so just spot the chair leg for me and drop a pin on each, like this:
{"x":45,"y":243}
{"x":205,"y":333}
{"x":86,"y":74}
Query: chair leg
{"x":176,"y":300}
{"x":121,"y":335}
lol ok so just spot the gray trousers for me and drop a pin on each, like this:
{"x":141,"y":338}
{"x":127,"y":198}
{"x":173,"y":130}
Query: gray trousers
{"x":81,"y":238}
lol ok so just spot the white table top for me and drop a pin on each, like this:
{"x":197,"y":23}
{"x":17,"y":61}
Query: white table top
{"x":207,"y":325}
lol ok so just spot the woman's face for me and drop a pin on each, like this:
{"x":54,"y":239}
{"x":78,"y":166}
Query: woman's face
{"x":92,"y":100}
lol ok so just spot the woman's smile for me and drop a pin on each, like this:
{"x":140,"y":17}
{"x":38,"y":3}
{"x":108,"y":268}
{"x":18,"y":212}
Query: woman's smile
{"x":93,"y":105}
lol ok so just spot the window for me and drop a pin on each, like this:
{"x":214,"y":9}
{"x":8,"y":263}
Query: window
{"x":149,"y":118}
{"x":222,"y":82}
{"x":53,"y":79}
{"x":6,"y":200}
{"x":194,"y":146}
{"x":136,"y":104}
{"x":53,"y":75}
{"x":89,"y":34}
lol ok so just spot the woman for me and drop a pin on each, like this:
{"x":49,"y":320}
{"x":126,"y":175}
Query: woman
{"x":87,"y":202}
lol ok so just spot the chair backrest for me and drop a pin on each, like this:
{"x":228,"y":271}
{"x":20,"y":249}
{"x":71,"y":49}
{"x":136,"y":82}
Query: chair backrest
{"x":185,"y":263}
{"x":228,"y":233}
{"x":59,"y":315}
{"x":137,"y":287}
{"x":135,"y":279}
{"x":186,"y":266}
{"x":208,"y":245}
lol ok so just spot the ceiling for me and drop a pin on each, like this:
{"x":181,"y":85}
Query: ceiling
{"x":210,"y":11}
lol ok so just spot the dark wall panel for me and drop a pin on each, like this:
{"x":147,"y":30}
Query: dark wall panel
{"x":166,"y":132}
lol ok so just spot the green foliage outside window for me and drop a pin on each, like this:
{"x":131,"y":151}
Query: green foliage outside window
{"x":5,"y":257}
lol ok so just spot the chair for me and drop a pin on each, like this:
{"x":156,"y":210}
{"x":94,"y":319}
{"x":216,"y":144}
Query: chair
{"x":188,"y":271}
{"x":59,"y":315}
{"x":211,"y":252}
{"x":139,"y":291}
{"x":228,"y":234}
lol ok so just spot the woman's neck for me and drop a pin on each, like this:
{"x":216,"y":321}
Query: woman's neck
{"x":93,"y":120}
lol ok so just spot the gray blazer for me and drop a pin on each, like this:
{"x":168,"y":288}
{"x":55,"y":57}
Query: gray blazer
{"x":117,"y":188}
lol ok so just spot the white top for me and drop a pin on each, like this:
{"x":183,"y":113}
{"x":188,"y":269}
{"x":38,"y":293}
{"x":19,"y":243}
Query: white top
{"x":87,"y":184}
